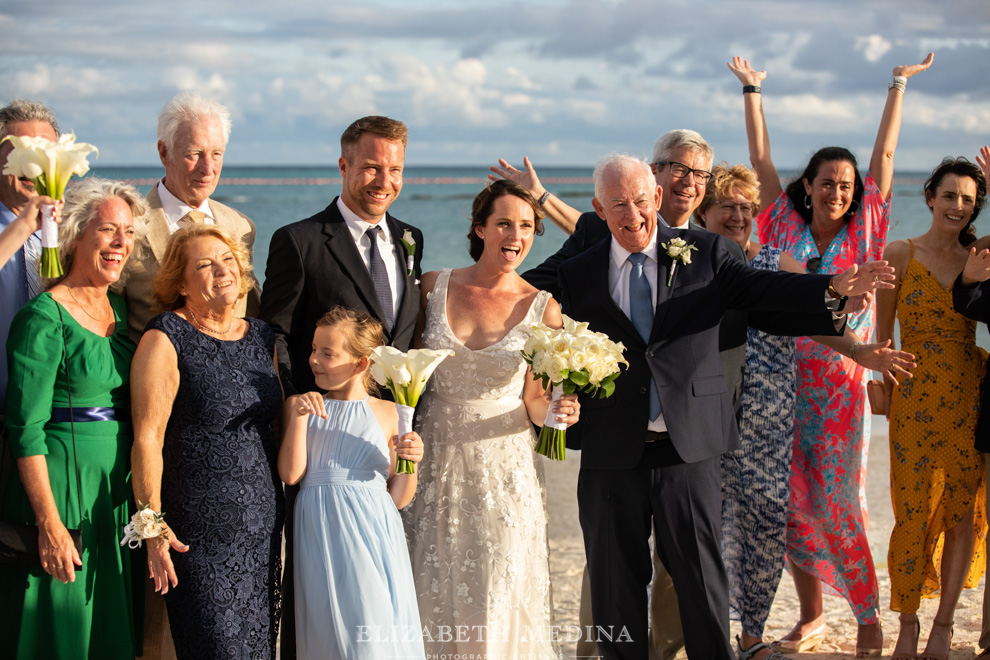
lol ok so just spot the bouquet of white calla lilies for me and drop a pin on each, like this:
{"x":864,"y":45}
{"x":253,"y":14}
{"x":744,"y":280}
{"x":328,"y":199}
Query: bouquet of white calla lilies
{"x":571,"y":359}
{"x":405,"y":375}
{"x":49,"y":165}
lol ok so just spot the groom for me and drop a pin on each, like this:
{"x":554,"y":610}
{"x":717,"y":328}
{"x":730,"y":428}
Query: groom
{"x":651,"y":451}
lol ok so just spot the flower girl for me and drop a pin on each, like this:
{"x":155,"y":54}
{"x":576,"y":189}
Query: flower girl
{"x":355,"y":596}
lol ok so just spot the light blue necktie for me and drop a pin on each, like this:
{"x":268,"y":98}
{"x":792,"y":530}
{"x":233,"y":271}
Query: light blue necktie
{"x":641,"y":315}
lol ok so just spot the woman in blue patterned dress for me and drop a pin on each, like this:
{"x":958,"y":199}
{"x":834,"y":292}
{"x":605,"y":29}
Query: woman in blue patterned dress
{"x":755,"y":477}
{"x":204,"y":393}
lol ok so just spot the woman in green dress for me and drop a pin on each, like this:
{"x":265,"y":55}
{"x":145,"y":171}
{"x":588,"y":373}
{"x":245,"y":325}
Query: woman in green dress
{"x":75,"y":605}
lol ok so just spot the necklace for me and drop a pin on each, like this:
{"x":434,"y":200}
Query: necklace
{"x":86,"y":311}
{"x":216,"y":332}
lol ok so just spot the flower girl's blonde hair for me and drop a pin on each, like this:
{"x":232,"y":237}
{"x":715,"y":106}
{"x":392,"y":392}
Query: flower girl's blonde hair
{"x":362,"y":334}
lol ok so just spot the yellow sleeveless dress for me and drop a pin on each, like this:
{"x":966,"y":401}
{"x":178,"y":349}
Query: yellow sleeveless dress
{"x":936,"y":474}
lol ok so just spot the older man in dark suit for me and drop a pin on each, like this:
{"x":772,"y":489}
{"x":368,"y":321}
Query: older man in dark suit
{"x":352,"y":253}
{"x":650,"y":453}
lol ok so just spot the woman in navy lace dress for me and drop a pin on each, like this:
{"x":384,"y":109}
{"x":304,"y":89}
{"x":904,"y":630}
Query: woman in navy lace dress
{"x":204,"y":395}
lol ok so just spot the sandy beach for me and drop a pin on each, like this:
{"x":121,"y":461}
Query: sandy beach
{"x":567,"y":562}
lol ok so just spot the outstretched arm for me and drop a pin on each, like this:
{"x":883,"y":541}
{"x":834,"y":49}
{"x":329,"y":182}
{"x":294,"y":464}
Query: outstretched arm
{"x":882,"y":161}
{"x":561,"y":214}
{"x":756,"y":132}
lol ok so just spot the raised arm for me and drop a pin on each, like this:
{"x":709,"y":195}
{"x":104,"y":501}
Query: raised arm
{"x":756,"y":131}
{"x":26,"y":223}
{"x":561,"y":214}
{"x":154,"y":384}
{"x":882,"y":161}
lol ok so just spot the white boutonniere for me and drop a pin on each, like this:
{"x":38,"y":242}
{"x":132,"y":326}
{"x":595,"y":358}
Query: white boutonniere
{"x":409,"y":243}
{"x":678,"y":250}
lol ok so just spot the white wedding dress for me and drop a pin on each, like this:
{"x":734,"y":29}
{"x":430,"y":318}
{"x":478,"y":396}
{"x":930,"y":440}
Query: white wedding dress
{"x":477,"y":528}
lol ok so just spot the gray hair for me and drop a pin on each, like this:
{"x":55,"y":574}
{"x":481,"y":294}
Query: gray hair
{"x":24,"y":110}
{"x":621,"y":162}
{"x":681,"y":138}
{"x":186,"y":108}
{"x":82,"y":202}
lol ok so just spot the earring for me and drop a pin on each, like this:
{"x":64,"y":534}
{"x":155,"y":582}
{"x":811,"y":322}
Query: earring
{"x":852,"y":209}
{"x":807,"y":201}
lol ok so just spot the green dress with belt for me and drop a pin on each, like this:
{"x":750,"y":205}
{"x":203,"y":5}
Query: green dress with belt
{"x":95,"y":616}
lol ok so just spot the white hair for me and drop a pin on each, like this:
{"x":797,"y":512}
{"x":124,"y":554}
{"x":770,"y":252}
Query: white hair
{"x":681,"y":138}
{"x":186,"y":108}
{"x":620,"y":162}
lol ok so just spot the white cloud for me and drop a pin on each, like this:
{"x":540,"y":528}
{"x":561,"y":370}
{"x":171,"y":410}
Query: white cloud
{"x":873,"y":46}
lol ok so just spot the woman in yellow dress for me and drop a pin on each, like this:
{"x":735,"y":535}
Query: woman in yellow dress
{"x":937,"y":476}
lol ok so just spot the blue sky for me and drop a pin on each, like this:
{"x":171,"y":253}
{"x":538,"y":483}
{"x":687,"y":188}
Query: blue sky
{"x":563,"y":81}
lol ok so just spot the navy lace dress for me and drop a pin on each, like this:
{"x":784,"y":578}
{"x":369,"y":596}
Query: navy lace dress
{"x":221,"y":493}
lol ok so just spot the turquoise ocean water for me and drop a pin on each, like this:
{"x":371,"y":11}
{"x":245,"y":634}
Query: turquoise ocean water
{"x":438,"y":201}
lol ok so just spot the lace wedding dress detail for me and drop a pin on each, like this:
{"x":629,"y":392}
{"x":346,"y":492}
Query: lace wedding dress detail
{"x":477,"y":528}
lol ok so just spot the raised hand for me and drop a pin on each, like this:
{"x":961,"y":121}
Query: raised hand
{"x":880,"y":357}
{"x":310,"y":403}
{"x":864,"y":278}
{"x":908,"y":70}
{"x":977,"y":268}
{"x":746,"y":74}
{"x":528,"y":179}
{"x":983,"y":160}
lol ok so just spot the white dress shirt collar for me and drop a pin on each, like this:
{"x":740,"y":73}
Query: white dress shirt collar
{"x":358,"y":226}
{"x":174,"y":208}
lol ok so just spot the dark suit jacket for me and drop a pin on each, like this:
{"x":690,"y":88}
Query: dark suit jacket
{"x":313,"y":265}
{"x":974,"y":302}
{"x":682,"y":354}
{"x":733,"y":330}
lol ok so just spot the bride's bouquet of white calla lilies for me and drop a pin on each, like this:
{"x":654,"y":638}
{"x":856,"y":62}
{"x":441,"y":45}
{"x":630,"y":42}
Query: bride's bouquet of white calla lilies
{"x":572,"y":359}
{"x":405,"y":375}
{"x":49,"y":165}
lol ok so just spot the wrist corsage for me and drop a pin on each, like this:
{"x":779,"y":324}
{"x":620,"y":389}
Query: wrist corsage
{"x":679,"y":251}
{"x":409,"y":243}
{"x":146,"y":523}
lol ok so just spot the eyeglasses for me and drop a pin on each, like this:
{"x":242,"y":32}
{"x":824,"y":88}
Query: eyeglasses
{"x":680,"y":170}
{"x":729,"y":209}
{"x":813,"y":264}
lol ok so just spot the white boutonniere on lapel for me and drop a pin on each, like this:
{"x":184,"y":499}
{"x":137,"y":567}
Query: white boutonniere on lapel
{"x":679,"y":251}
{"x":409,"y":243}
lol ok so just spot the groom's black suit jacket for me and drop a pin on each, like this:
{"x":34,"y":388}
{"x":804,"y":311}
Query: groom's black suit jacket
{"x":683,"y":351}
{"x":313,"y":265}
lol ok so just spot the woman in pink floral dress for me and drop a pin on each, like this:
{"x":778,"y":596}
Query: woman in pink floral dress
{"x":828,"y":219}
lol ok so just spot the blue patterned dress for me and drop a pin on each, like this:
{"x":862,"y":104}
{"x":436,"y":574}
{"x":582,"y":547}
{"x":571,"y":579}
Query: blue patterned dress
{"x":755,"y":477}
{"x":221,"y":493}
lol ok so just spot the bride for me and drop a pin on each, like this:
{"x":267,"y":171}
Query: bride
{"x":477,"y":527}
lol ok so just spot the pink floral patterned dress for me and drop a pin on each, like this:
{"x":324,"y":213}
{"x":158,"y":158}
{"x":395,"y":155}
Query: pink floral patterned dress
{"x":826,"y":531}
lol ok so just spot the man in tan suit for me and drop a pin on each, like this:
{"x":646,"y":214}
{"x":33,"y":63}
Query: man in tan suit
{"x":192,"y":137}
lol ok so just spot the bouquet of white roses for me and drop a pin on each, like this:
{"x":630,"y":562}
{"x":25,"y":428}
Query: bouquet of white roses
{"x":405,"y":375}
{"x":49,"y":165}
{"x":572,"y":359}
